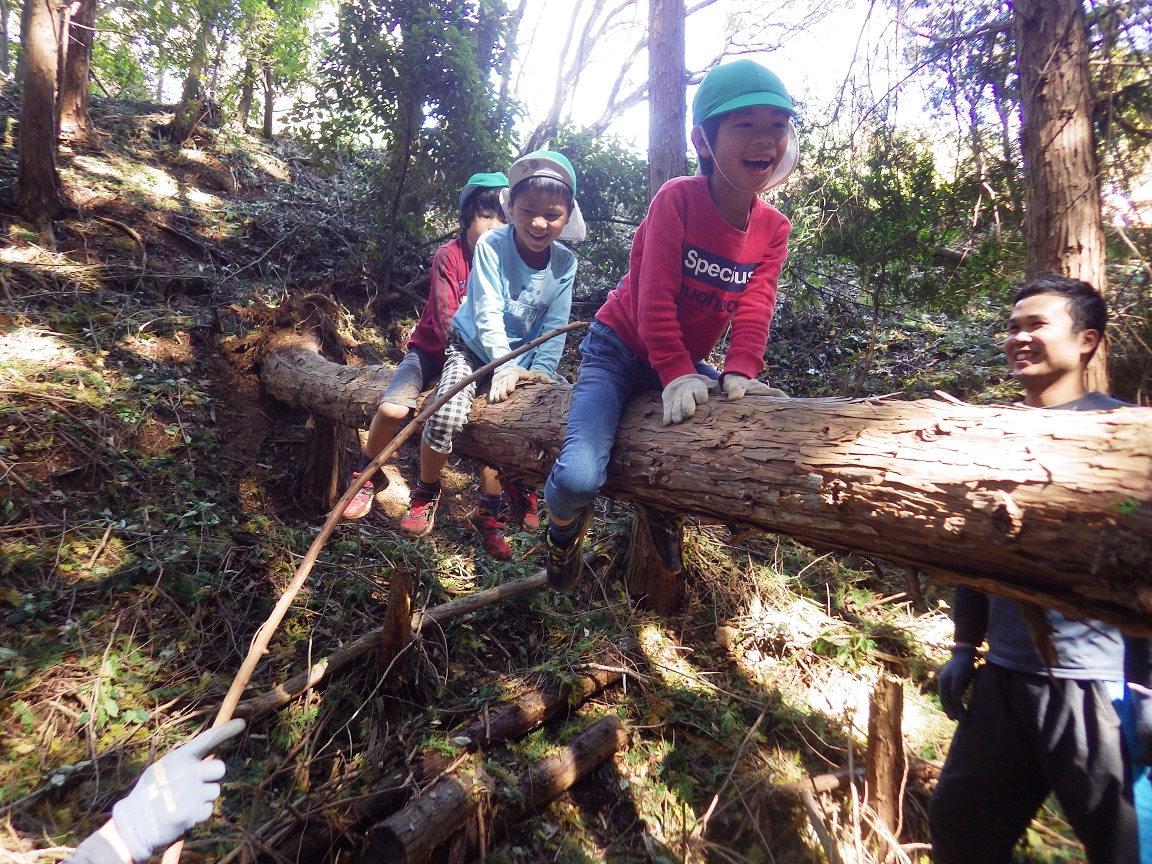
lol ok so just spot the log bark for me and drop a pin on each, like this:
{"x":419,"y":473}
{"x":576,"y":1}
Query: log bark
{"x":412,"y":835}
{"x":1051,"y":507}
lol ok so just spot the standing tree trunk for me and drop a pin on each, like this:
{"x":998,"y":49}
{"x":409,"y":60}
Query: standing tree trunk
{"x":5,"y":54}
{"x":1063,"y":189}
{"x":73,"y":108}
{"x":192,"y":96}
{"x":40,"y":196}
{"x":269,"y":101}
{"x":667,"y":88}
{"x":247,"y":91}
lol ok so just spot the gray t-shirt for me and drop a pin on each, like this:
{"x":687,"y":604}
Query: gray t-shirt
{"x":1085,"y":649}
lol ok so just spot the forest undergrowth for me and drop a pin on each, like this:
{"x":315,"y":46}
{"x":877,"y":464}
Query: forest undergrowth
{"x":150,"y":518}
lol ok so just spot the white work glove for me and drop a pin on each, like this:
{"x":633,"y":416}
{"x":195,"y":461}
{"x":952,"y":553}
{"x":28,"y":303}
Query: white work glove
{"x":504,"y":381}
{"x":683,"y":394}
{"x":173,"y":794}
{"x":736,"y":386}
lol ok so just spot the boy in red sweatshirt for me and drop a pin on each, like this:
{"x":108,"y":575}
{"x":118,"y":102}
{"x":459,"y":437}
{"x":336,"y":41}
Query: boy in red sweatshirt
{"x":707,"y":256}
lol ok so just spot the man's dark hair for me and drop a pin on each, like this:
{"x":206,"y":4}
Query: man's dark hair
{"x":483,"y":200}
{"x":711,"y":128}
{"x":546,"y":186}
{"x":1086,"y":305}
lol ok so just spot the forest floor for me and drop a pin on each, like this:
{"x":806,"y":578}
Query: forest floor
{"x":150,"y":518}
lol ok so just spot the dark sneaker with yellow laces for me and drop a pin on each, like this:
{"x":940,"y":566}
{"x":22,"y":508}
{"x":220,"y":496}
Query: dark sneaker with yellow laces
{"x":421,"y":516}
{"x":361,"y":503}
{"x":490,"y":529}
{"x":563,"y":560}
{"x":522,"y":509}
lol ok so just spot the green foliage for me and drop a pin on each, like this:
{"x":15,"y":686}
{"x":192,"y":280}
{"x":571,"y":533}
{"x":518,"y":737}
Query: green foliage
{"x":613,"y":183}
{"x":416,"y":78}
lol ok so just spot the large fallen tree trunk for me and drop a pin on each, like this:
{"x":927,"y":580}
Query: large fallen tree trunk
{"x":1046,"y":506}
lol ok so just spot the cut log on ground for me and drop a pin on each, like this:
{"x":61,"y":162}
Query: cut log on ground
{"x":412,"y":834}
{"x":536,"y":706}
{"x":1054,"y":507}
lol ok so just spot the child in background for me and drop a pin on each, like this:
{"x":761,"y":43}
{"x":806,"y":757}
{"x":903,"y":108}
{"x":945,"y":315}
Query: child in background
{"x":520,"y":288}
{"x":707,"y":255}
{"x":480,"y":211}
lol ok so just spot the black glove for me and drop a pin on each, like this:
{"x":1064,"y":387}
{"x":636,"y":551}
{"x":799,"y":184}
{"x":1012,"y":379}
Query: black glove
{"x":954,"y":679}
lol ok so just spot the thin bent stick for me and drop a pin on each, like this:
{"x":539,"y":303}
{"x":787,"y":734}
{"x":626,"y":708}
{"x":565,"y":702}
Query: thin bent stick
{"x":268,"y":628}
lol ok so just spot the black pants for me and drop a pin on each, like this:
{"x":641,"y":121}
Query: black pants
{"x":1025,"y":736}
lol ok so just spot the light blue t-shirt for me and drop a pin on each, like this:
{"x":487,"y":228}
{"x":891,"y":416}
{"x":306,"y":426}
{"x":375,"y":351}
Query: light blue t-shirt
{"x":509,"y":303}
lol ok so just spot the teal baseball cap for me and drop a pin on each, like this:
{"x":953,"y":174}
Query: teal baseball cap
{"x":493,"y":180}
{"x":543,"y":163}
{"x":738,"y":85}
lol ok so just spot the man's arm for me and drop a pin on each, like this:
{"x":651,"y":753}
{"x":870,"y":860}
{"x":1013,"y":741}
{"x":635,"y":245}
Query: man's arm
{"x":970,"y":618}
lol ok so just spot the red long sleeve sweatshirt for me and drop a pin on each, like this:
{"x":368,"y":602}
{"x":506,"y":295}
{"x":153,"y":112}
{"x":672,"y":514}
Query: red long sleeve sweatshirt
{"x":691,"y":274}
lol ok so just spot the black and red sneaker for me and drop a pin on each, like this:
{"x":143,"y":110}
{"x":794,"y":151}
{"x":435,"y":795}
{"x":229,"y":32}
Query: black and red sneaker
{"x":522,"y":505}
{"x":490,"y":529}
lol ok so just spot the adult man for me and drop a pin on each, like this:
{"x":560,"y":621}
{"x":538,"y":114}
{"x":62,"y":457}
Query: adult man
{"x":1033,"y":725}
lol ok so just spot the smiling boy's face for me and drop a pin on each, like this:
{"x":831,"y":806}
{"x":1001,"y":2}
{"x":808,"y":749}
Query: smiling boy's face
{"x":537,"y":219}
{"x":749,"y":144}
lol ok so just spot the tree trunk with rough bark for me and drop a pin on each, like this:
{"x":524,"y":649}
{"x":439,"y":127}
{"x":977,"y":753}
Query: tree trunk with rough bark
{"x":269,"y":102}
{"x":188,"y":111}
{"x":666,"y":93}
{"x":1054,"y":507}
{"x":1064,"y":228}
{"x":884,"y":778}
{"x":73,"y":102}
{"x":40,"y":196}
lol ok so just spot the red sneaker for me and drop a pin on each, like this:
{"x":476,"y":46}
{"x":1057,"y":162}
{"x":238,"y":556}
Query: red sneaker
{"x":421,"y":516}
{"x":491,"y":531}
{"x":522,"y":505}
{"x":361,"y":504}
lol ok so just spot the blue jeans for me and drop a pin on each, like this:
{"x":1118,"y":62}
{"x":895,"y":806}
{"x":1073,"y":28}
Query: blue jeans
{"x":1141,"y":777}
{"x":610,"y":372}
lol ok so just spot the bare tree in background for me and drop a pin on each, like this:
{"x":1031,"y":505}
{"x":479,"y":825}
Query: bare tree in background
{"x":597,"y":31}
{"x":667,"y":85}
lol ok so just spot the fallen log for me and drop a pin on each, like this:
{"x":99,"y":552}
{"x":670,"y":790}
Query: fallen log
{"x":411,"y":835}
{"x":1047,"y":506}
{"x":538,"y":705}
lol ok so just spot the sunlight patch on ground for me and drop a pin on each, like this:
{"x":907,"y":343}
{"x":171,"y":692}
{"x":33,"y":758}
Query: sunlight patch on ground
{"x":94,"y":166}
{"x":271,"y":166}
{"x":33,"y":346}
{"x":202,"y":199}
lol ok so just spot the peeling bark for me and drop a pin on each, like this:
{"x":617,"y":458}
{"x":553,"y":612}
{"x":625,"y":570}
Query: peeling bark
{"x":1047,"y":506}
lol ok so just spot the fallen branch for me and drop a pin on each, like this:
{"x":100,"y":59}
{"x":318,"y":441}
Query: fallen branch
{"x":411,"y":835}
{"x":538,"y":705}
{"x":284,"y":693}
